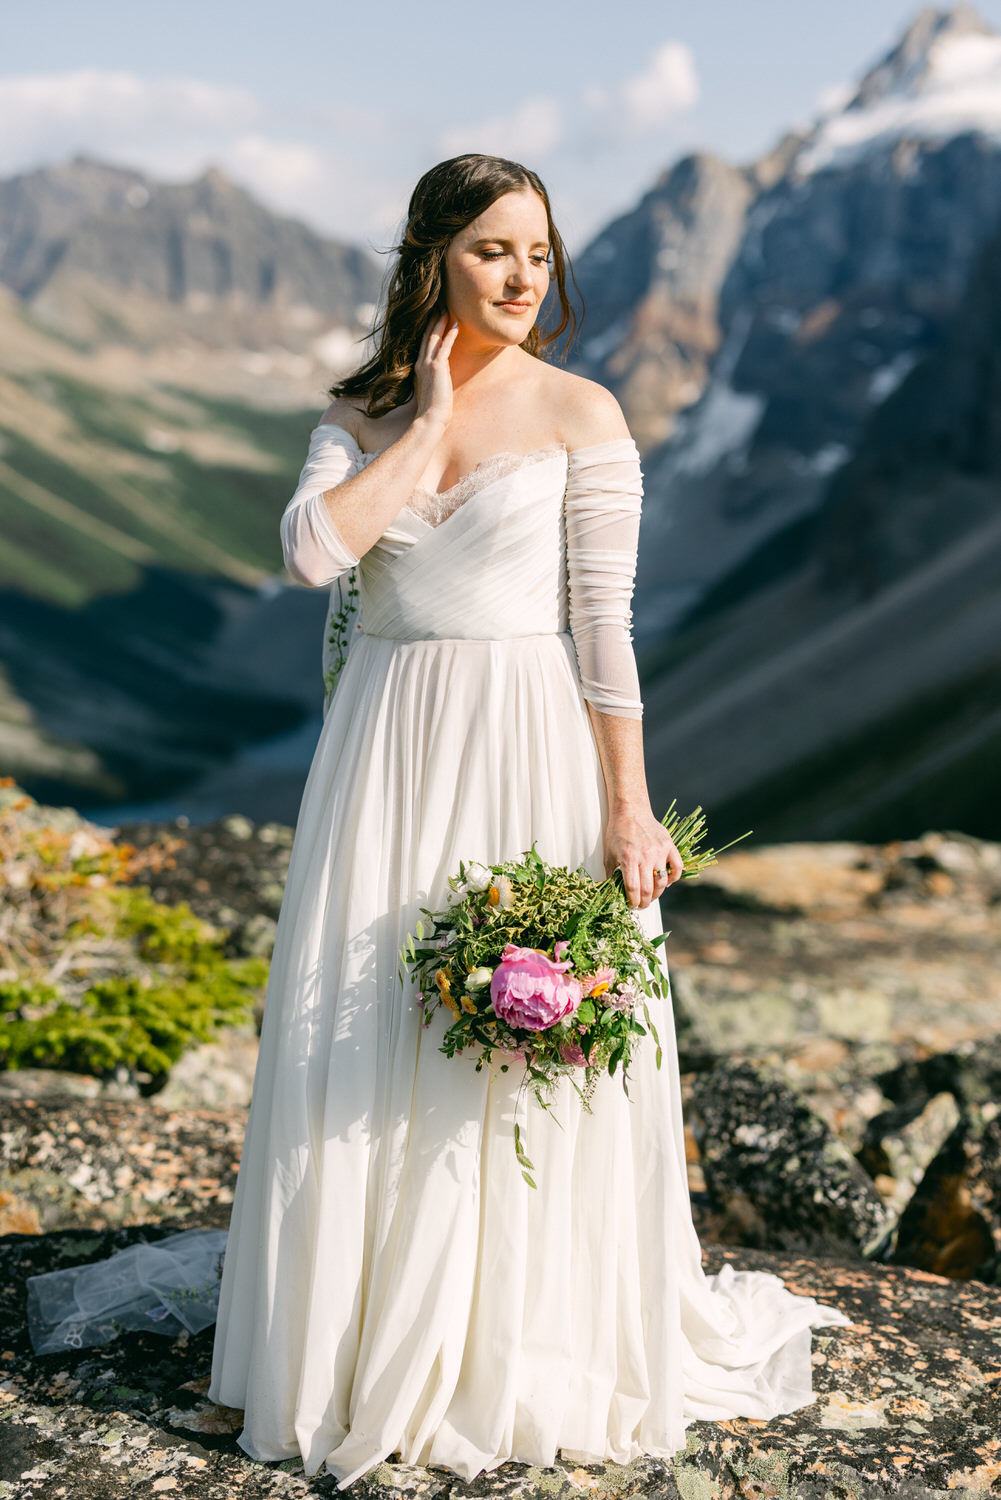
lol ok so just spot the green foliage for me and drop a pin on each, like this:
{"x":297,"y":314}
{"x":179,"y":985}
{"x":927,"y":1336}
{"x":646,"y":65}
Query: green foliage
{"x":138,"y":1021}
{"x":101,"y":975}
{"x":337,"y":631}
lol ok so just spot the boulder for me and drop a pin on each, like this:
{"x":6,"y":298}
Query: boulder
{"x":952,"y":1224}
{"x":773,"y":1164}
{"x":901,"y":1142}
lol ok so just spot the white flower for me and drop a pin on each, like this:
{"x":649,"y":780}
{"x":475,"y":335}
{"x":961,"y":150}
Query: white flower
{"x":459,"y":891}
{"x":478,"y":978}
{"x":478,"y":877}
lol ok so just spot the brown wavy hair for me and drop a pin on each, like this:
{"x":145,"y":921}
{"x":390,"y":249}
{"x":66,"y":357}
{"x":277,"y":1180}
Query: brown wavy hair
{"x":446,"y":199}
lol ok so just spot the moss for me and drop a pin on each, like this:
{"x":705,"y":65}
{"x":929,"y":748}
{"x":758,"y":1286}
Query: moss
{"x":139,"y":981}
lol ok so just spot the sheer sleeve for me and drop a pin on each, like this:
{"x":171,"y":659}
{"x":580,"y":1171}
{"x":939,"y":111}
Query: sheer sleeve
{"x":315,"y":553}
{"x":603,"y":502}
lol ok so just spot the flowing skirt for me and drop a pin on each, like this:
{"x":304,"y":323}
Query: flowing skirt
{"x":391,"y":1283}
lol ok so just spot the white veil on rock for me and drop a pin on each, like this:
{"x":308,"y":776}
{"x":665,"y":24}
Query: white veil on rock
{"x":167,"y":1286}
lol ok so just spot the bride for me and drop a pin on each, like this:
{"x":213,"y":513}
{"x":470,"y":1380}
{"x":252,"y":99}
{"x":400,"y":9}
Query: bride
{"x":391,"y":1284}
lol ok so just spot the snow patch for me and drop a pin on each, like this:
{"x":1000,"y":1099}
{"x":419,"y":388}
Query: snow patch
{"x":724,"y":423}
{"x":885,"y":380}
{"x":831,"y":456}
{"x":958,"y":90}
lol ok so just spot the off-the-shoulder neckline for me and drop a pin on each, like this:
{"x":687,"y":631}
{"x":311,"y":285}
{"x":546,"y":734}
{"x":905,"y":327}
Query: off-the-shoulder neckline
{"x":570,"y":452}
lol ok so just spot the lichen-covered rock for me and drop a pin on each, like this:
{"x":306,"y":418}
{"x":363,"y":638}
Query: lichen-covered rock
{"x":907,"y":1405}
{"x":952,"y":1225}
{"x":774,"y":1164}
{"x":104,"y":1163}
{"x":901,"y":1142}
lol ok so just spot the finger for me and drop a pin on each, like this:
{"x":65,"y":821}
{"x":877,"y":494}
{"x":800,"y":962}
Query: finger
{"x":631,"y":881}
{"x":435,"y":328}
{"x":425,"y":343}
{"x":447,"y":340}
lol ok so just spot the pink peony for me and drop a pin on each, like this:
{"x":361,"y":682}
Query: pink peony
{"x":531,"y":990}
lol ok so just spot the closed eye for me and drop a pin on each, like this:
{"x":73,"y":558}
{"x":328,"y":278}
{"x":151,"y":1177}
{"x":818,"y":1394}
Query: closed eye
{"x":540,"y":260}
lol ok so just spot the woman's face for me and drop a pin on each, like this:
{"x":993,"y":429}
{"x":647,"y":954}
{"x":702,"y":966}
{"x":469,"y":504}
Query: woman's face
{"x":500,"y":259}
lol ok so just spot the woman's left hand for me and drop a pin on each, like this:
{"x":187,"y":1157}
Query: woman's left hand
{"x":637,"y":843}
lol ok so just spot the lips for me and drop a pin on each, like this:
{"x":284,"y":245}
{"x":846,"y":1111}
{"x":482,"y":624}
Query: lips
{"x":515,"y":306}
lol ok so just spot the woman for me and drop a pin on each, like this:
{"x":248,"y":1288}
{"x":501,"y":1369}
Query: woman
{"x":391,"y":1283}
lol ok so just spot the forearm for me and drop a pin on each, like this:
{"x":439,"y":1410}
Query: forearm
{"x":362,"y":507}
{"x":620,"y":750}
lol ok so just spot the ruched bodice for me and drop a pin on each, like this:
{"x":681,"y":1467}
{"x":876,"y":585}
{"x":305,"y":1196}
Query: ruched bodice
{"x":542,"y":543}
{"x":495,"y":567}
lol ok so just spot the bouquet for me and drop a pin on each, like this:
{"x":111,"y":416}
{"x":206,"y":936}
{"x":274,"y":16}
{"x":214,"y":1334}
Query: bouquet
{"x":544,"y":966}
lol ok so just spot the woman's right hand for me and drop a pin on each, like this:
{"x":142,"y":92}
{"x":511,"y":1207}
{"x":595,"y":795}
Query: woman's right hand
{"x":432,"y":378}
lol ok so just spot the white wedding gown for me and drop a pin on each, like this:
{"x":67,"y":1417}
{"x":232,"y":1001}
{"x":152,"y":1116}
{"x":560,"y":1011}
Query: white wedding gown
{"x":391,"y":1284}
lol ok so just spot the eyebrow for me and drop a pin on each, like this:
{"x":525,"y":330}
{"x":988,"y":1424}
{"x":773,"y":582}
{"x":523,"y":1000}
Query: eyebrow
{"x":498,"y":239}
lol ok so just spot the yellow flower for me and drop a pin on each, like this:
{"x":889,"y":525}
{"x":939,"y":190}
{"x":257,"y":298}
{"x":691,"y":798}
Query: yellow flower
{"x":442,"y":981}
{"x":468,"y":1003}
{"x":600,"y":989}
{"x":493,"y":895}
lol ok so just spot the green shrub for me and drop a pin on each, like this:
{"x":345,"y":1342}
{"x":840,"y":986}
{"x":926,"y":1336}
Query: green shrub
{"x":136,"y":981}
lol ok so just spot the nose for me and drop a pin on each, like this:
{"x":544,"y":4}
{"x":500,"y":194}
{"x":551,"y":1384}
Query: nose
{"x":520,"y":276}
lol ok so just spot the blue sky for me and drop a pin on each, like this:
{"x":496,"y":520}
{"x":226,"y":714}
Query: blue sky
{"x":331,"y":112}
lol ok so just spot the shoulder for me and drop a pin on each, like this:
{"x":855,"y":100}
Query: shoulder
{"x":342,"y":413}
{"x":586,"y":411}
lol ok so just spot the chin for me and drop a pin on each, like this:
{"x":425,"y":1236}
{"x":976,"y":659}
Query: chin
{"x":513,"y":332}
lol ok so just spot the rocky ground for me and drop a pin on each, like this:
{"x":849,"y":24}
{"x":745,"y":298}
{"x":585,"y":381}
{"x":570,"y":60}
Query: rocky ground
{"x":838,"y":1015}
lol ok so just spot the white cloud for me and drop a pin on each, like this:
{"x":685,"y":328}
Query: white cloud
{"x":531,"y":130}
{"x":51,"y":114}
{"x":666,"y":87}
{"x":288,"y":174}
{"x":605,"y":113}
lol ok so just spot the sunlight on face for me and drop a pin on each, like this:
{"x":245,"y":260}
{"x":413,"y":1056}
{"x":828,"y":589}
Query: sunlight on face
{"x":502,"y":257}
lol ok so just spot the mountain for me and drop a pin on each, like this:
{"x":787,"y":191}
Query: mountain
{"x":844,"y":674}
{"x":749,"y":318}
{"x":650,"y":286}
{"x":164,"y":350}
{"x":804,"y":346}
{"x":943,"y":78}
{"x":105,"y":254}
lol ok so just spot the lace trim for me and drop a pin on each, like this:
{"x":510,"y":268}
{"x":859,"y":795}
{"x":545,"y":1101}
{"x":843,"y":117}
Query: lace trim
{"x":434,"y":506}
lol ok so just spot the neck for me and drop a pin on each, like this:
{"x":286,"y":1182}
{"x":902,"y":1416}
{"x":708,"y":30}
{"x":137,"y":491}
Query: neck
{"x":474,"y":360}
